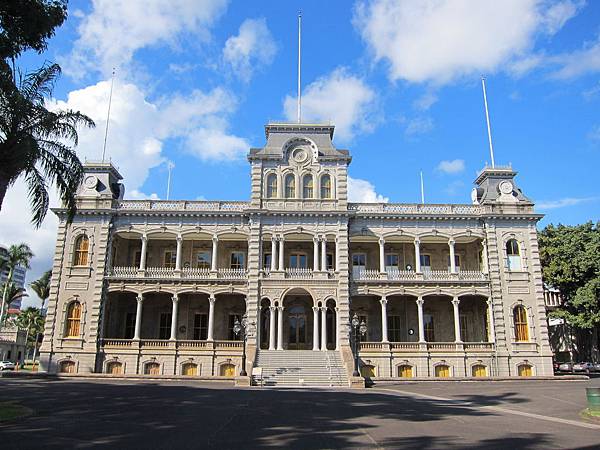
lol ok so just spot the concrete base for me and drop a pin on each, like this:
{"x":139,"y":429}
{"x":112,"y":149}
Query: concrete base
{"x":357,"y":382}
{"x":243,"y":381}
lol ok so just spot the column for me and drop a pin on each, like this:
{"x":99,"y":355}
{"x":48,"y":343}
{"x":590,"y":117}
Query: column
{"x":417,"y":256}
{"x":175,"y":299}
{"x":384,"y":326}
{"x":143,"y":252}
{"x":272,"y":310}
{"x":491,"y":326}
{"x":452,"y":257}
{"x":280,"y":328}
{"x":324,"y":328}
{"x":315,"y":328}
{"x":138,"y":317}
{"x":215,"y":248}
{"x":281,"y":254}
{"x":420,"y":303}
{"x":337,"y":328}
{"x":211,"y":318}
{"x":324,"y":253}
{"x":178,"y":255}
{"x":381,"y":255}
{"x":484,"y":256}
{"x":273,"y":253}
{"x":455,"y":303}
{"x":337,"y":254}
{"x":315,"y":254}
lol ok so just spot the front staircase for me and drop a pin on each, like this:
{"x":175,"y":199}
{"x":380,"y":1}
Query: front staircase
{"x":302,"y":368}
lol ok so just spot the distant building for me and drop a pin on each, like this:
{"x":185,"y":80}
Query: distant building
{"x":12,"y":344}
{"x":18,"y":279}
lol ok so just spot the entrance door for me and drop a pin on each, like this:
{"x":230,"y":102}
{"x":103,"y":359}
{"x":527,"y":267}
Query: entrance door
{"x":297,"y":321}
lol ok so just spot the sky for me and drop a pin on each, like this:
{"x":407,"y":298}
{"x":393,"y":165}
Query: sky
{"x":196,"y":81}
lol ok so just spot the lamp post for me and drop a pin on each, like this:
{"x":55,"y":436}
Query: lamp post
{"x":242,"y":327}
{"x":360,"y":329}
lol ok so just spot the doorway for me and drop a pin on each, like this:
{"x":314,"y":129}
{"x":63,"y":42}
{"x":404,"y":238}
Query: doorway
{"x":297,"y":328}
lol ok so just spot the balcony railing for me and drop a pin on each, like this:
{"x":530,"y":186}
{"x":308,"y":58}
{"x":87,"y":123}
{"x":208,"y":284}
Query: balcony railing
{"x":181,"y":205}
{"x":426,"y":275}
{"x":166,"y":343}
{"x":427,"y":346}
{"x":299,"y":273}
{"x":418,"y":209}
{"x":169,"y":273}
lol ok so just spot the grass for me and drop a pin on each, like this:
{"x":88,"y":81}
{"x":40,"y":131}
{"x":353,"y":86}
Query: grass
{"x":11,"y":411}
{"x":591,"y":415}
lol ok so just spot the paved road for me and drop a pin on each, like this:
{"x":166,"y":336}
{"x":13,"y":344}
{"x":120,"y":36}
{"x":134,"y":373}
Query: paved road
{"x":119,"y":414}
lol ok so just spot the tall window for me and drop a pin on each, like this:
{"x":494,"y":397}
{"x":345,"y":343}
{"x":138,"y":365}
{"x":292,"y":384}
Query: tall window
{"x":200,"y":327}
{"x":359,"y":263}
{"x":237,"y":260}
{"x":392,"y":261}
{"x":513,"y":255}
{"x":129,"y":325}
{"x":290,"y":186}
{"x":203,"y":260}
{"x":298,"y":261}
{"x":73,"y":320}
{"x":307,"y":186}
{"x":272,"y":185}
{"x":464,"y":329}
{"x":326,"y":186}
{"x":456,"y":262}
{"x":429,"y":328}
{"x":82,"y":246}
{"x":266,"y":261}
{"x":394,"y":328}
{"x":521,"y":328}
{"x":170,"y":258}
{"x":425,"y":263}
{"x":329,"y":261}
{"x":164,"y":327}
{"x":137,"y":257}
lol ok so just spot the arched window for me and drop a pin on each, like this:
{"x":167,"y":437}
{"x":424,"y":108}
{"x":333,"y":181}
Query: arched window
{"x":73,"y":320}
{"x":405,"y":371}
{"x":479,"y":370}
{"x":521,"y":328}
{"x":82,"y":246}
{"x":307,"y":186}
{"x":189,"y":370}
{"x":442,"y":371}
{"x":290,"y":186}
{"x":227,"y":370}
{"x":152,"y":368}
{"x":513,"y":255}
{"x":272,"y":186}
{"x":525,"y":370}
{"x":326,"y":186}
{"x":67,"y":367}
{"x":114,"y":368}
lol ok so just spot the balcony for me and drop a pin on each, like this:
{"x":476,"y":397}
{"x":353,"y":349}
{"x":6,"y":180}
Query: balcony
{"x":126,"y":344}
{"x":166,"y":273}
{"x":394,"y":275}
{"x":431,"y":347}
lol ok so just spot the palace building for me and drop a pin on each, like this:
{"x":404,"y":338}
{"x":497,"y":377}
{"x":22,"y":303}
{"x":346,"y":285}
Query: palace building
{"x":161,"y":287}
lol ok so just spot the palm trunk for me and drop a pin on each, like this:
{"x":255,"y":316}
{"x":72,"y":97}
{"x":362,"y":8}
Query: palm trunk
{"x":4,"y":296}
{"x":3,"y":189}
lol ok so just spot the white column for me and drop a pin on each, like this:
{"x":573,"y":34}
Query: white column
{"x":272,"y":310}
{"x":337,"y":328}
{"x":324,"y":253}
{"x":420,"y":302}
{"x":455,"y":303}
{"x":484,"y":256}
{"x":417,"y":256}
{"x":280,"y":328}
{"x":273,"y":253}
{"x":491,"y":326}
{"x":138,"y":317}
{"x":337,"y":254}
{"x":315,"y":328}
{"x":143,"y":252}
{"x":452,"y":258}
{"x":211,"y":318}
{"x":281,"y":254}
{"x":324,"y":328}
{"x":215,"y":248}
{"x":178,"y":255}
{"x":315,"y":254}
{"x":384,"y":326}
{"x":381,"y":255}
{"x":175,"y":299}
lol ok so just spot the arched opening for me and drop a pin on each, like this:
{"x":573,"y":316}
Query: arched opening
{"x":442,"y":371}
{"x":326,"y":186}
{"x":227,"y":370}
{"x":367,"y":371}
{"x":265,"y":323}
{"x":271,"y":185}
{"x":73,"y":325}
{"x":152,"y":368}
{"x":405,"y":371}
{"x":521,"y":327}
{"x":189,"y":369}
{"x":298,"y":323}
{"x":67,"y":367}
{"x":331,"y":324}
{"x":525,"y":370}
{"x":290,"y":186}
{"x":307,"y":186}
{"x":114,"y":368}
{"x":513,"y":255}
{"x":479,"y":370}
{"x":82,"y":246}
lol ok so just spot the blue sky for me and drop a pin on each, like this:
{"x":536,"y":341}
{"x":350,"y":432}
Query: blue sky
{"x":197,"y":80}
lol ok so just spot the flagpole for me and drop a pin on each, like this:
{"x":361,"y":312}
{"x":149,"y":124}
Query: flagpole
{"x":112,"y":82}
{"x":422,"y":189}
{"x":487,"y":118}
{"x":299,"y":65}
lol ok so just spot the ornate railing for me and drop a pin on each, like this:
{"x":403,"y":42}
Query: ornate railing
{"x":471,"y":346}
{"x":419,"y":209}
{"x":365,"y":274}
{"x":118,"y":343}
{"x":298,"y":273}
{"x":233,"y":274}
{"x":186,"y":273}
{"x":426,"y":346}
{"x":160,"y":272}
{"x":167,"y":343}
{"x":125,"y":272}
{"x":426,"y":275}
{"x":195,"y":273}
{"x":181,"y":205}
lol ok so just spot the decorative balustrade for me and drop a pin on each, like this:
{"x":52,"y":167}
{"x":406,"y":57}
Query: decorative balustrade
{"x":181,"y":205}
{"x":228,"y":344}
{"x":443,"y":346}
{"x":125,"y":272}
{"x":186,"y":273}
{"x":169,"y":344}
{"x":160,"y":272}
{"x":233,"y":274}
{"x":193,"y":344}
{"x":427,"y":346}
{"x":471,"y":275}
{"x":298,"y":273}
{"x":118,"y":343}
{"x":419,"y":209}
{"x":400,"y":275}
{"x":155,"y":343}
{"x":365,"y":274}
{"x":409,"y":275}
{"x":195,"y":273}
{"x":478,"y":346}
{"x":405,"y":346}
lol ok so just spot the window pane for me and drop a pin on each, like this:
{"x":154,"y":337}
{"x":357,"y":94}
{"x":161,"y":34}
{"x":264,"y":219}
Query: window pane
{"x":237,"y":260}
{"x":203,"y":260}
{"x":425,"y":261}
{"x":392,"y":260}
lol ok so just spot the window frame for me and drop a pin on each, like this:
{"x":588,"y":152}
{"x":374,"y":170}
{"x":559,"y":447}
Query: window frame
{"x":521,"y":323}
{"x":326,"y":190}
{"x":164,"y":329}
{"x":306,"y":187}
{"x":200,"y":326}
{"x":72,"y":321}
{"x":271,"y":191}
{"x":81,"y":256}
{"x":299,"y":256}
{"x":514,"y":261}
{"x":173,"y":262}
{"x":204,"y":265}
{"x":289,"y":187}
{"x":237,"y":265}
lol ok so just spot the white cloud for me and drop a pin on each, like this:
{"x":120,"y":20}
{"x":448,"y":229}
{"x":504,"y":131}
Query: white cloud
{"x":564,"y":202}
{"x":594,"y":134}
{"x":362,"y":191}
{"x":418,"y":125}
{"x":439,"y":41}
{"x":253,"y":48}
{"x":451,"y":167}
{"x":577,"y":63}
{"x":424,"y":102}
{"x":113,"y":31}
{"x":341,"y":98}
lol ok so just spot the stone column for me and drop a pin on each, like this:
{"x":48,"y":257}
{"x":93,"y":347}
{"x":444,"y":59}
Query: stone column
{"x":455,"y":303}
{"x":175,"y":299}
{"x":491,"y":327}
{"x":178,"y":255}
{"x":452,"y":257}
{"x":417,"y":256}
{"x":324,"y":328}
{"x":272,"y":310}
{"x":280,"y":328}
{"x":215,"y":248}
{"x":324,"y":253}
{"x":337,"y":328}
{"x":484,"y":257}
{"x":381,"y":255}
{"x":420,"y":303}
{"x":384,"y":326}
{"x":211,"y":318}
{"x":281,"y":254}
{"x":273,"y":253}
{"x":138,"y":317}
{"x":315,"y":254}
{"x":143,"y":252}
{"x":315,"y":328}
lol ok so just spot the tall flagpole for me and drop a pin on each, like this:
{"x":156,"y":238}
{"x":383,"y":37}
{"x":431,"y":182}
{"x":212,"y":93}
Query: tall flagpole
{"x":299,"y":63}
{"x":422,"y":189}
{"x":487,"y":118}
{"x":170,"y":165}
{"x":112,"y":82}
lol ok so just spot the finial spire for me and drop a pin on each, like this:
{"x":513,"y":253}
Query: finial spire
{"x":112,"y":82}
{"x":487,"y":118}
{"x":299,"y":65}
{"x":170,"y":166}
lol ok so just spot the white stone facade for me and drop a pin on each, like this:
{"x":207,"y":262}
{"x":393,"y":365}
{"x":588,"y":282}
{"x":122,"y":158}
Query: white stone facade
{"x":143,"y":286}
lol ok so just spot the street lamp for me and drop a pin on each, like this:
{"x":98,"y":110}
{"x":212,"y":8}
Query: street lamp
{"x":242,"y":327}
{"x":360,"y":329}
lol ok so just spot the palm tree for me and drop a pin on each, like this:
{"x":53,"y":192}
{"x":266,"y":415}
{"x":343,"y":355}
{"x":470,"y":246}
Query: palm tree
{"x":35,"y":142}
{"x":14,"y":293}
{"x":17,"y":255}
{"x":32,"y":321}
{"x":41,"y":287}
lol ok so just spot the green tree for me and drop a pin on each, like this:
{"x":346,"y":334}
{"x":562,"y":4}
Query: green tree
{"x":14,"y":293}
{"x":570,"y":256}
{"x":41,"y":287}
{"x":17,"y":255}
{"x":32,"y":321}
